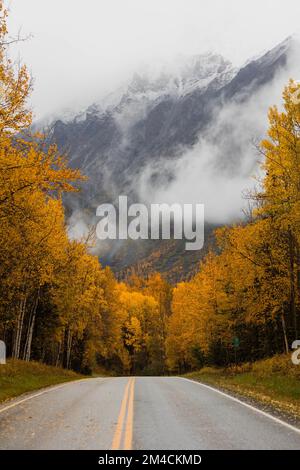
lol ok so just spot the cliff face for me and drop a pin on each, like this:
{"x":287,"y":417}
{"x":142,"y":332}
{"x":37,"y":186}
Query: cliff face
{"x":134,"y":139}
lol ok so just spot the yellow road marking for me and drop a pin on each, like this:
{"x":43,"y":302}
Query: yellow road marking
{"x":129,"y":423}
{"x":125,"y":419}
{"x":118,"y":432}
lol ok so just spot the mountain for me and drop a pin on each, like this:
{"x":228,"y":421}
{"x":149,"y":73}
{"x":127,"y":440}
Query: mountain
{"x":147,"y":120}
{"x":131,"y":141}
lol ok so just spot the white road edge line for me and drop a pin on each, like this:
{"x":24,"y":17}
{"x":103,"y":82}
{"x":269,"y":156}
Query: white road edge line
{"x":253,"y":408}
{"x":47,"y":390}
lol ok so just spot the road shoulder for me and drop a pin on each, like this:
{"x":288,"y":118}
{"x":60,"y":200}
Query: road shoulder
{"x":279,"y":409}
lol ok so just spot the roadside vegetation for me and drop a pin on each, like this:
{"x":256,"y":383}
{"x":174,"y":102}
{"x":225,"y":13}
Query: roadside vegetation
{"x":59,"y":306}
{"x":273,"y":382}
{"x":17,"y":377}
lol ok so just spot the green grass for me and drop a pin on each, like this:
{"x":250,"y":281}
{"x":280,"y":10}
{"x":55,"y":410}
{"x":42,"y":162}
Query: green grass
{"x":274,"y":382}
{"x":17,"y":377}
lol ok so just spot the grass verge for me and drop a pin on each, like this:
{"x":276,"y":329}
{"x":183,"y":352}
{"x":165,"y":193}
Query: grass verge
{"x":17,"y":377}
{"x":273,"y":382}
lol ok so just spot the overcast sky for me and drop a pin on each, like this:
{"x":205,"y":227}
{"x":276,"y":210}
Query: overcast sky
{"x":82,"y":49}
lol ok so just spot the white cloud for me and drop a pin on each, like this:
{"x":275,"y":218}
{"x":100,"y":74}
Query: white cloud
{"x":225,"y":162}
{"x":81,"y":50}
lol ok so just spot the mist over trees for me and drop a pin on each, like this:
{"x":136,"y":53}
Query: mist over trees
{"x":58,"y":304}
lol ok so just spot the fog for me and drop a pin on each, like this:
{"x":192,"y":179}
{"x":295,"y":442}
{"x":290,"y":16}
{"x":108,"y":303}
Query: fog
{"x":79,"y":51}
{"x":225,"y":164}
{"x":218,"y":171}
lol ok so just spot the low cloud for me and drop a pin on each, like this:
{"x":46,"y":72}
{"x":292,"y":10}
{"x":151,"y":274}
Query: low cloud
{"x":224,"y":163}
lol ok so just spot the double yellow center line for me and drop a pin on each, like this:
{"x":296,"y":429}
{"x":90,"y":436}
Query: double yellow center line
{"x":123,"y":435}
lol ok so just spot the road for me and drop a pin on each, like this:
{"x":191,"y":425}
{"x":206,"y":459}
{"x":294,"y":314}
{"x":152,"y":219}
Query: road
{"x":149,"y":413}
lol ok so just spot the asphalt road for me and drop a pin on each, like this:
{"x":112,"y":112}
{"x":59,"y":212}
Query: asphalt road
{"x":138,"y":413}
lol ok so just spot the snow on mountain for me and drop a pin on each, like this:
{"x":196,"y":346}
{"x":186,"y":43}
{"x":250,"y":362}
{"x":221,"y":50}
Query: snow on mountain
{"x":175,"y":79}
{"x":174,"y":129}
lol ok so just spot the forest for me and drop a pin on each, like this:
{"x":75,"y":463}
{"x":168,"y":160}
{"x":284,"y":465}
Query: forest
{"x":59,"y":306}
